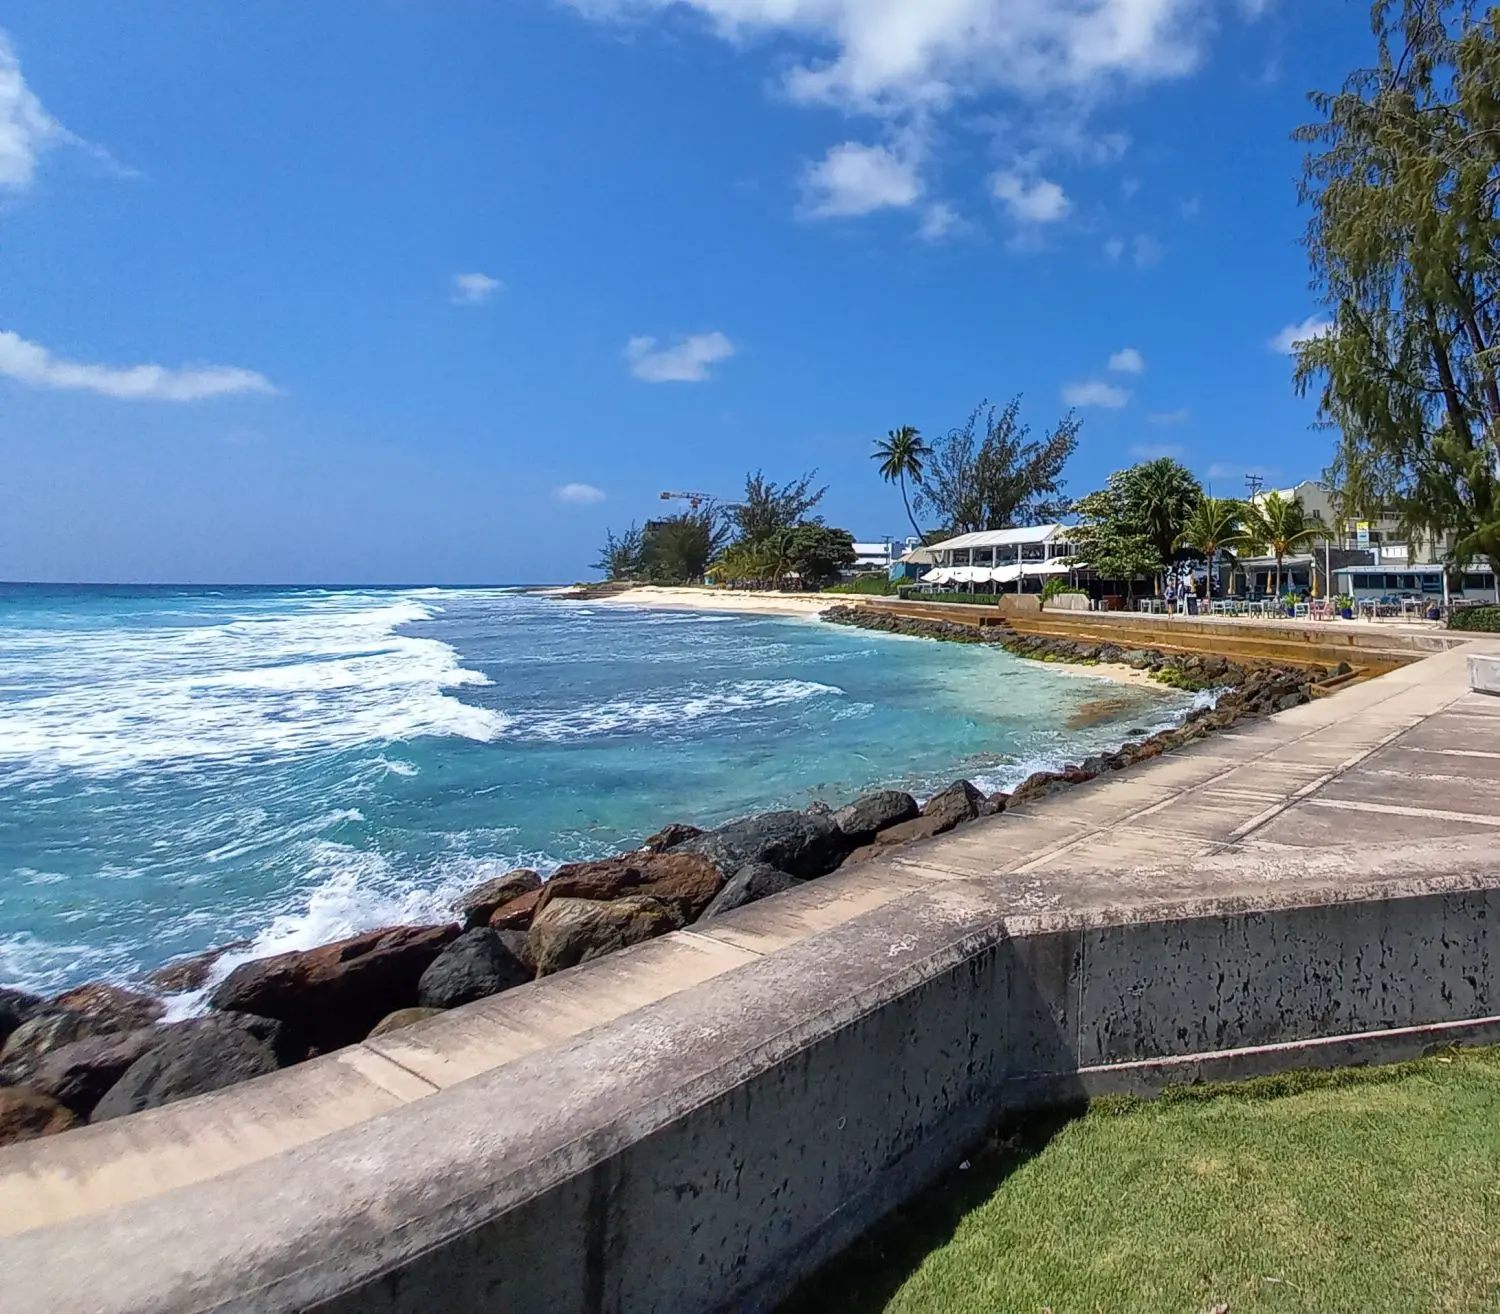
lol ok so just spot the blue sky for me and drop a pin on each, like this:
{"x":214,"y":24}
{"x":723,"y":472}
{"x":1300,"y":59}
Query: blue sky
{"x":435,"y":290}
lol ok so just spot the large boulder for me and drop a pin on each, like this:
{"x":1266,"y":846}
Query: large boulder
{"x":670,"y":836}
{"x":193,"y":1058}
{"x":477,"y":906}
{"x":191,"y":972}
{"x":960,"y":802}
{"x":31,"y":1042}
{"x":110,"y":1008}
{"x":802,"y":844}
{"x":874,"y":812}
{"x":331,"y":996}
{"x":476,"y":965}
{"x":16,"y":1007}
{"x":752,"y":882}
{"x":517,"y":914}
{"x":571,"y":931}
{"x":686,"y":882}
{"x":27,"y":1114}
{"x":80,"y":1072}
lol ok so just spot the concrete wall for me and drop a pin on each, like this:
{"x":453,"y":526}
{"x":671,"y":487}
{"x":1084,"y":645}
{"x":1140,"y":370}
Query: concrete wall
{"x":701,"y":1152}
{"x":1068,"y":602}
{"x":1484,"y":674}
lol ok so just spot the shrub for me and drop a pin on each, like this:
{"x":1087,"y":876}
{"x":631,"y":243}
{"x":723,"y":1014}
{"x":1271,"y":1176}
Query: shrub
{"x":978,"y":599}
{"x":1485,"y":620}
{"x":879,"y":586}
{"x":1057,"y":585}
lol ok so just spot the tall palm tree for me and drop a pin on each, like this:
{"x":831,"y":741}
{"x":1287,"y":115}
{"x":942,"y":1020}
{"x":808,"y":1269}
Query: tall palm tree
{"x":1280,"y":525}
{"x":1160,"y":495}
{"x":901,"y":453}
{"x":1215,"y":525}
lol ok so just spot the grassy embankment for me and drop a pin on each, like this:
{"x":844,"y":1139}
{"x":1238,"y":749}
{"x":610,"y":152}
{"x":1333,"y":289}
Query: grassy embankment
{"x":1363,"y":1190}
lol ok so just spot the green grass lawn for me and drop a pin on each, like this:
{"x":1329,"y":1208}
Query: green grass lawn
{"x":1373,"y":1190}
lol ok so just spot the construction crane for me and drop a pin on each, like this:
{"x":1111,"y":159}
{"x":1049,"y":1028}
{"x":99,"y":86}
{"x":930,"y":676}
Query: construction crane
{"x":694,"y":500}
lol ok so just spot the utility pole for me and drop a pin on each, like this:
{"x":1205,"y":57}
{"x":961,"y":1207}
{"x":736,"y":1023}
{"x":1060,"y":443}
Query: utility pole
{"x":1254,"y":483}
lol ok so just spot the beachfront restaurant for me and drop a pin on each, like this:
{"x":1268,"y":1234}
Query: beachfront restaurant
{"x":1379,"y":583}
{"x":1001,"y":560}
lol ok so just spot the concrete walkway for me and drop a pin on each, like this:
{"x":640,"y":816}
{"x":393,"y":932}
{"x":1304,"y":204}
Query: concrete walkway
{"x":1386,"y":783}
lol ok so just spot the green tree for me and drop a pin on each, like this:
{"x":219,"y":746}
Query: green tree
{"x":1000,"y":479}
{"x":1159,"y":496}
{"x":1215,"y":526}
{"x":1279,"y":525}
{"x":769,"y":507}
{"x":1108,"y":538}
{"x":901,"y":454}
{"x":1404,"y":243}
{"x":620,"y":558}
{"x":817,"y":553}
{"x":677,"y":549}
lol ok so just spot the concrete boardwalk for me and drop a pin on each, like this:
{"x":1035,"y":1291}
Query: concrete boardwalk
{"x":1379,"y":787}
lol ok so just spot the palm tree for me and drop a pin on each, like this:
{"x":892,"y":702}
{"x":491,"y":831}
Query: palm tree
{"x":1160,"y":496}
{"x":1280,"y":525}
{"x":1215,"y":525}
{"x":901,"y":453}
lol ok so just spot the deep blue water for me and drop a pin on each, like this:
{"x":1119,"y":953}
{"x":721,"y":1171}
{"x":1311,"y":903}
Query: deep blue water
{"x":183,"y":767}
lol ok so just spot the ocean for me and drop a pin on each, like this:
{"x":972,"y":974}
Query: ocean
{"x":184,"y":767}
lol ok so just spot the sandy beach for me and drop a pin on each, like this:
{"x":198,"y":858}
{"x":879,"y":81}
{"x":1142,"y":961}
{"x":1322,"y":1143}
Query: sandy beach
{"x":812,"y":604}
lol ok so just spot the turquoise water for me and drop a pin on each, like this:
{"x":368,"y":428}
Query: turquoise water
{"x":184,"y":767}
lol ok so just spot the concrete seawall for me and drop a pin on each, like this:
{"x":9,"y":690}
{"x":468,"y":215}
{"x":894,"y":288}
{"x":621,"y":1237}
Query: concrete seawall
{"x":693,"y":1123}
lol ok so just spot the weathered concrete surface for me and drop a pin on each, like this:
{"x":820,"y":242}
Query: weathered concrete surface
{"x":693,"y":1121}
{"x":1484,"y":674}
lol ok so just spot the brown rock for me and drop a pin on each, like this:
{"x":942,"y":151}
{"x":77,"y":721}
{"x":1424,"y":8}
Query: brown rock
{"x":994,"y":805}
{"x":517,"y":914}
{"x":958,"y":803}
{"x":571,"y":931}
{"x":915,"y":829}
{"x":27,"y":1114}
{"x":190,"y":973}
{"x":331,"y":996}
{"x":670,"y":836}
{"x":479,"y":903}
{"x":110,"y":1008}
{"x":1037,"y":785}
{"x":79,"y":1073}
{"x":402,"y":1017}
{"x":31,"y":1042}
{"x":687,"y":882}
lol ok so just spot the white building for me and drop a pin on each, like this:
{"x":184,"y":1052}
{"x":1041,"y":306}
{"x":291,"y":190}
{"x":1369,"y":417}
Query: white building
{"x":1018,"y":559}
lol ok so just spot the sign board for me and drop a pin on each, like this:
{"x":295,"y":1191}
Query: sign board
{"x":1362,"y":533}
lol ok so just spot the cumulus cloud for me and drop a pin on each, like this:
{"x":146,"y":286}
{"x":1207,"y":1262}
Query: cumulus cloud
{"x":939,"y":221}
{"x":581,"y":494}
{"x":27,"y":362}
{"x":1146,"y":251}
{"x":1030,"y":200}
{"x":1127,"y":361}
{"x":475,"y":289}
{"x":855,"y":179}
{"x":1095,"y":393}
{"x":687,"y":361}
{"x":1312,"y":327}
{"x":1114,"y":248}
{"x":26,"y":129}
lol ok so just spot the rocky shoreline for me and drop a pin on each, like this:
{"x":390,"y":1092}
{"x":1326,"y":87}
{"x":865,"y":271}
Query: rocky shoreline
{"x":101,"y":1051}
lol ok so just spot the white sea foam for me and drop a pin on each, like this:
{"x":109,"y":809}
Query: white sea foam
{"x":330,"y":674}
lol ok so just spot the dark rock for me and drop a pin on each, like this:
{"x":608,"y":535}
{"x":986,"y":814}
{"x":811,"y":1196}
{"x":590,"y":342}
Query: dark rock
{"x":27,"y":1114}
{"x":906,"y":831}
{"x":752,"y":882}
{"x":191,"y":973}
{"x":958,"y":803}
{"x":874,"y":812}
{"x":402,"y":1017}
{"x":1039,"y":784}
{"x":16,"y":1007}
{"x":801,"y":844}
{"x":517,"y":914}
{"x":571,"y":931}
{"x":670,"y":836}
{"x":110,"y":1008}
{"x":331,"y":996}
{"x":478,"y":905}
{"x":34,"y":1039}
{"x":684,"y":881}
{"x":196,"y":1057}
{"x":1137,"y":732}
{"x":994,"y":805}
{"x":476,"y":965}
{"x":79,"y":1073}
{"x":519,"y":943}
{"x":818,"y":808}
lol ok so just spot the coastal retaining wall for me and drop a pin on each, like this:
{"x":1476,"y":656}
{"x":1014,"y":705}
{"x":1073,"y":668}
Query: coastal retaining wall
{"x":703,"y":1152}
{"x":1484,"y":674}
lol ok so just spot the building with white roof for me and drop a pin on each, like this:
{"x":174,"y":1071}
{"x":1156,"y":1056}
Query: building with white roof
{"x":1002,"y":556}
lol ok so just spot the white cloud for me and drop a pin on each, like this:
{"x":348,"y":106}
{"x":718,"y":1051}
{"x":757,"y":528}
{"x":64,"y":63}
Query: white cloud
{"x":1146,"y":251}
{"x":1312,"y":327}
{"x":854,"y":179}
{"x":1095,"y":393}
{"x":26,"y":129}
{"x":1127,"y":361}
{"x":475,"y":289}
{"x":1114,"y":248}
{"x":581,"y":494}
{"x":1030,"y":201}
{"x":940,"y":221}
{"x":1155,"y":451}
{"x":1180,"y":416}
{"x":29,"y":363}
{"x":685,"y":362}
